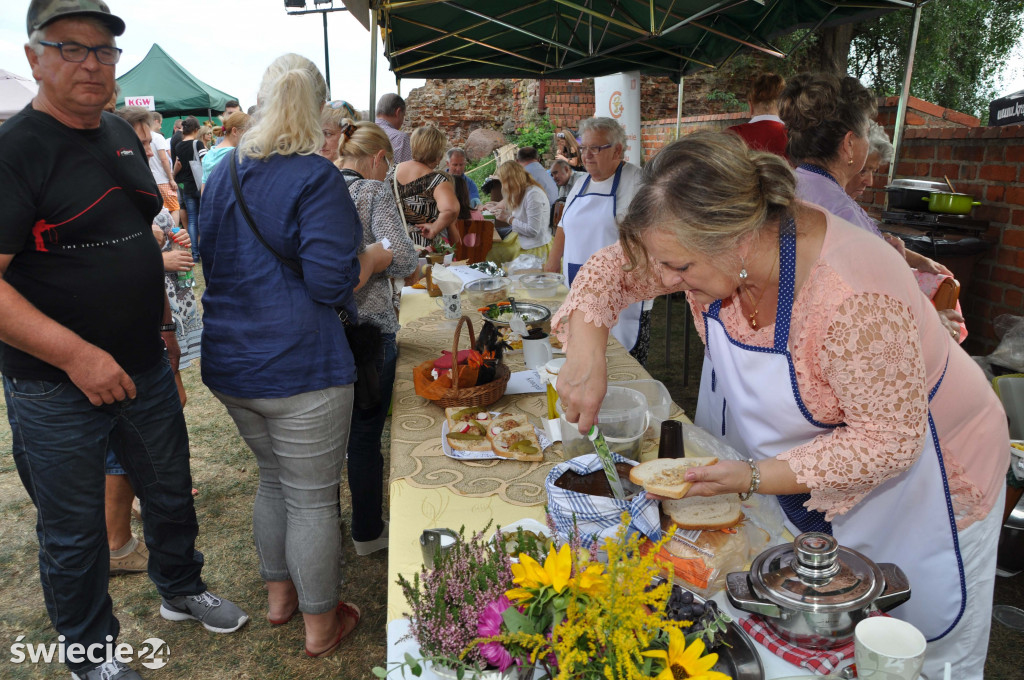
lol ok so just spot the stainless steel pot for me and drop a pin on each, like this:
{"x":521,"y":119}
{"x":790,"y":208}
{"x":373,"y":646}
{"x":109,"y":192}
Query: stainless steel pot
{"x":814,"y":592}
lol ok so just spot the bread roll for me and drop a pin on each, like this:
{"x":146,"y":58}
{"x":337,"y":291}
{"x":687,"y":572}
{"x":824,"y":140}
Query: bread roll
{"x":667,"y":476}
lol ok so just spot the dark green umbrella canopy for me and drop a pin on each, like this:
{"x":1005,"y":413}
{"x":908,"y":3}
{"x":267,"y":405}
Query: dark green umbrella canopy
{"x":587,"y":38}
{"x":177,"y":92}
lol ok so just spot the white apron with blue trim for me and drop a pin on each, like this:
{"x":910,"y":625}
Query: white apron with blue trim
{"x":749,"y":396}
{"x":589,"y":224}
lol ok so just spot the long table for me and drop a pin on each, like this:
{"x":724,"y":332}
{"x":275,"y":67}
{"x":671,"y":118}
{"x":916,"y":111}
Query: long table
{"x":429,"y":490}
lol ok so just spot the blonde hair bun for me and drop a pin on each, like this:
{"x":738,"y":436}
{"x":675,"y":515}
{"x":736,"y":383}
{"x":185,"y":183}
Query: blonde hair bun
{"x":708,"y":190}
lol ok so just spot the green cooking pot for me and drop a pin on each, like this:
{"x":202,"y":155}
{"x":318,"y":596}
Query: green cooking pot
{"x":949,"y":203}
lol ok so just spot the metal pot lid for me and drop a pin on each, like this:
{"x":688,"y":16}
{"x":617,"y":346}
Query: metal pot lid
{"x":815,"y":573}
{"x":918,"y":184}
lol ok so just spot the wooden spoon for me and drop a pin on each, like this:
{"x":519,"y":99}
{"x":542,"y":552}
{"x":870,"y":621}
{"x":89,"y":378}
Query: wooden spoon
{"x":949,"y":184}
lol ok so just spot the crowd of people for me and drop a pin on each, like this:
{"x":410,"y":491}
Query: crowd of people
{"x":834,"y":374}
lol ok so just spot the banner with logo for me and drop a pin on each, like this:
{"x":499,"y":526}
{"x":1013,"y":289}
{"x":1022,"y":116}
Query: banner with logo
{"x":146,"y":101}
{"x":618,"y":97}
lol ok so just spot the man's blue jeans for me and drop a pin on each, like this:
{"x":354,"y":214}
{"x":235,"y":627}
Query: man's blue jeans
{"x":192,"y":208}
{"x":60,"y":446}
{"x":365,"y":462}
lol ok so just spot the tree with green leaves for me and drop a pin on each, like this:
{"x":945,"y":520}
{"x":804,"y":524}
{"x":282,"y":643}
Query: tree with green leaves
{"x":962,"y":48}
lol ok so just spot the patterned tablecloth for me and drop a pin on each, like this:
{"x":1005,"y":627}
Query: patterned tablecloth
{"x":416,"y":454}
{"x":430,"y":490}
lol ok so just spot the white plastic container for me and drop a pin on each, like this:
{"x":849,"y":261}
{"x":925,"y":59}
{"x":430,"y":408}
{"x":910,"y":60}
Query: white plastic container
{"x":659,"y":401}
{"x":622,"y":419}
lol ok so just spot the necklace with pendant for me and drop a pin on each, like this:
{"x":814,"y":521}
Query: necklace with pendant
{"x":752,"y":317}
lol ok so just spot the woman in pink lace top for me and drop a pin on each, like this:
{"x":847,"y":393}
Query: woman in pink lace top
{"x":833,"y":373}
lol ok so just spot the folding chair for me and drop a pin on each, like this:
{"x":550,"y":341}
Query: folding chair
{"x":477,"y":237}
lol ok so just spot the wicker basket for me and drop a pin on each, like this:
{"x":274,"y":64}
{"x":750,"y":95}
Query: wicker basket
{"x":479,"y":395}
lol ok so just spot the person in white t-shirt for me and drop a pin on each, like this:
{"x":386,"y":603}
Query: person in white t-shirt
{"x":590,"y":221}
{"x":160,"y":166}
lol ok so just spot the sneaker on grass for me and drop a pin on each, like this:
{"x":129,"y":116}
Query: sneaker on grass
{"x":216,"y":614}
{"x":111,"y":670}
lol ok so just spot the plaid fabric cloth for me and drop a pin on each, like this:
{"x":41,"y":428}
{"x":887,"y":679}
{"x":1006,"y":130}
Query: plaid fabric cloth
{"x":820,"y":661}
{"x":596,"y":516}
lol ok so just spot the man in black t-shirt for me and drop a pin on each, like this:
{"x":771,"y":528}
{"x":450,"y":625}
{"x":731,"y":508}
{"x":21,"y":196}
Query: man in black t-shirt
{"x":81,"y":306}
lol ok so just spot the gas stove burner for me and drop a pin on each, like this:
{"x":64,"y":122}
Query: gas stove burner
{"x":910,"y":217}
{"x":928,"y":219}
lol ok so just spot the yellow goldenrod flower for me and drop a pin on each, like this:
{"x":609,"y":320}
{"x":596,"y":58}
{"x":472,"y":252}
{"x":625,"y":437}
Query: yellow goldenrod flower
{"x":689,"y":660}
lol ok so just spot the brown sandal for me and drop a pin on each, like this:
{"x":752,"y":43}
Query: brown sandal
{"x":346,"y":612}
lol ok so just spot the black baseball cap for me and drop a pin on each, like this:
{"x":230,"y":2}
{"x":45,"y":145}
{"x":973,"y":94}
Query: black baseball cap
{"x":43,"y":12}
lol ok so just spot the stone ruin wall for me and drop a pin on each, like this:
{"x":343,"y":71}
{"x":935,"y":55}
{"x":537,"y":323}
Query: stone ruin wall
{"x":460,"y":106}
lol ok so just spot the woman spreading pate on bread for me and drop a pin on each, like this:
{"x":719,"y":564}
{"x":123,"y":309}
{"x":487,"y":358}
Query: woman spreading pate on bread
{"x":831,"y":372}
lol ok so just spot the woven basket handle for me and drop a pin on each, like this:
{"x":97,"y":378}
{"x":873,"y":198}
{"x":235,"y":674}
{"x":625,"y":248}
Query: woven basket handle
{"x":464,"y":321}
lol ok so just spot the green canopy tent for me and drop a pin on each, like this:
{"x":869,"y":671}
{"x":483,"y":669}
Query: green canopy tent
{"x":587,"y":38}
{"x":177,"y":92}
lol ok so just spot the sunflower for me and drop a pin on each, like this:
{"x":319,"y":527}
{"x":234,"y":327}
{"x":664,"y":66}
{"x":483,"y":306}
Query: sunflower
{"x":682,"y":662}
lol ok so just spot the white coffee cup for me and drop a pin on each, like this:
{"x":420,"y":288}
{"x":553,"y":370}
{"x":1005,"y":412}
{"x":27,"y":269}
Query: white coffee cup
{"x":452,"y":305}
{"x":887,"y":648}
{"x":537,"y":352}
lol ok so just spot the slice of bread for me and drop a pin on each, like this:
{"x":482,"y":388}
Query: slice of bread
{"x":467,"y":444}
{"x":705,"y":512}
{"x":504,"y":421}
{"x":456,"y":415}
{"x":667,"y":476}
{"x":509,"y":444}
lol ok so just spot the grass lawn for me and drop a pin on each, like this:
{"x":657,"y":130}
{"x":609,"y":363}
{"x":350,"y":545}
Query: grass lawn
{"x":225,"y":473}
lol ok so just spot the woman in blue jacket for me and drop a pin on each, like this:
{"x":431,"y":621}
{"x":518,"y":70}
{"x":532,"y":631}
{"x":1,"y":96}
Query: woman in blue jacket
{"x":274,"y":349}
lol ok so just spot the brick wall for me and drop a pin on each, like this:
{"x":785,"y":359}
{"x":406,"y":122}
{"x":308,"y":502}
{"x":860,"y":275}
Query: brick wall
{"x":658,"y":133}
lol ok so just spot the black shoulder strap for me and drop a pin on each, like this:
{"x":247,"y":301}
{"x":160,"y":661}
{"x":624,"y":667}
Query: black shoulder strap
{"x":343,"y":314}
{"x":291,"y":264}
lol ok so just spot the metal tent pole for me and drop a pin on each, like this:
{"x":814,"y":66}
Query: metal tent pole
{"x":679,"y":106}
{"x":373,"y":60}
{"x":327,"y":55}
{"x":901,"y":109}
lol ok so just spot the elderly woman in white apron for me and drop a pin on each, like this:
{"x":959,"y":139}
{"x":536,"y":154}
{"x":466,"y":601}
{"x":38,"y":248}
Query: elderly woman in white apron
{"x":825,"y":365}
{"x":590,"y":220}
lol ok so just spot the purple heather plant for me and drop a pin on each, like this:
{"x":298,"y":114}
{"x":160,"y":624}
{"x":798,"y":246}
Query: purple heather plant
{"x":447,"y":601}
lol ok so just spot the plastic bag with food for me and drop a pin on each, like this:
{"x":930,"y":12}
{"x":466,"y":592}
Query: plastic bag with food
{"x":703,"y":559}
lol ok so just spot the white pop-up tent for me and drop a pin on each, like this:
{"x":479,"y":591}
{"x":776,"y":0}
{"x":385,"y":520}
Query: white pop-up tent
{"x":15,"y":92}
